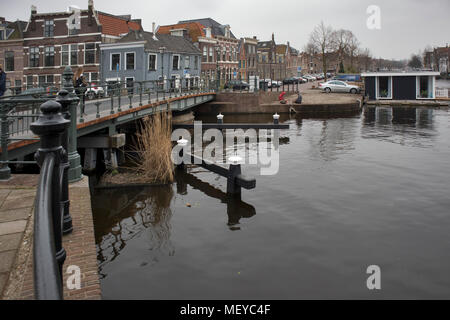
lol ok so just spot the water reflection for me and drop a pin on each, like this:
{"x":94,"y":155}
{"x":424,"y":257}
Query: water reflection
{"x":236,"y":208}
{"x":125,"y":214}
{"x":399,"y":125}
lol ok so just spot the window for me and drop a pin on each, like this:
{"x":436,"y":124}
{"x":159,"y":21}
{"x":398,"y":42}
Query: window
{"x":94,"y":77}
{"x":115,"y":61}
{"x":48,"y":28}
{"x":29,"y":82}
{"x":73,"y":54}
{"x":49,"y":56}
{"x":2,"y":35}
{"x":196,"y":62}
{"x":34,"y":57}
{"x":211,"y":54}
{"x":65,"y":55}
{"x":424,"y":87}
{"x":187,"y":62}
{"x":152,"y":62}
{"x":41,"y":81}
{"x":130,"y":61}
{"x":45,"y":80}
{"x":176,"y":62}
{"x":9,"y":61}
{"x":384,"y":87}
{"x":205,"y":54}
{"x":89,"y":53}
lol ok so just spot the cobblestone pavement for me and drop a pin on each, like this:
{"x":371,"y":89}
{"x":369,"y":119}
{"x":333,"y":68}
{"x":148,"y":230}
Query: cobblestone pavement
{"x":16,"y":232}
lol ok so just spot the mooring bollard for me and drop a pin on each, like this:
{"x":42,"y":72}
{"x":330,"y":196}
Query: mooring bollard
{"x":182,"y":143}
{"x":234,"y":171}
{"x":276,"y":118}
{"x":220,"y":118}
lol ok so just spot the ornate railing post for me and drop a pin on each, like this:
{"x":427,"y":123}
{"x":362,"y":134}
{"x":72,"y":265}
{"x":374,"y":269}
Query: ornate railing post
{"x":49,"y":254}
{"x":72,"y":101}
{"x":5,"y":171}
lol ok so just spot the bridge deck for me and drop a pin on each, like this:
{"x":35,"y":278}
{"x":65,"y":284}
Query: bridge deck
{"x":25,"y":142}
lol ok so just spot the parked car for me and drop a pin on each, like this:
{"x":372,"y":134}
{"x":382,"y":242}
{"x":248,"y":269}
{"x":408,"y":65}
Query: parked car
{"x":303,"y":79}
{"x":276,"y":84}
{"x":94,"y":91}
{"x":291,"y":80}
{"x":309,"y":77}
{"x":237,"y":85}
{"x":338,"y":86}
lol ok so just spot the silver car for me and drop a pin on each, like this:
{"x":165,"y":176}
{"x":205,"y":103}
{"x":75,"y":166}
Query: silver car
{"x":338,"y":86}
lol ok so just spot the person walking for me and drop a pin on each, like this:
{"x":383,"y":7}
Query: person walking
{"x":80,"y":89}
{"x":2,"y":81}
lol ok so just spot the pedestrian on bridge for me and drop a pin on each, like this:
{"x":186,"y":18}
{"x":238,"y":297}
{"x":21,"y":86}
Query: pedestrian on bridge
{"x":2,"y":81}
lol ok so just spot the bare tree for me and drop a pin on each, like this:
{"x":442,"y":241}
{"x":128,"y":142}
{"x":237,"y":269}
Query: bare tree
{"x":321,"y":39}
{"x":352,"y":48}
{"x":415,"y":62}
{"x":341,"y":39}
{"x":365,"y":59}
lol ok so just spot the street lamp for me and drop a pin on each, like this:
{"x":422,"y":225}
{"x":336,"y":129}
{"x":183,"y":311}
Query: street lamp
{"x":161,"y":51}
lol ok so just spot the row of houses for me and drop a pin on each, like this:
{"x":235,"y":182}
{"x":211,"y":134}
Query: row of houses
{"x":438,"y":59}
{"x":107,"y":47}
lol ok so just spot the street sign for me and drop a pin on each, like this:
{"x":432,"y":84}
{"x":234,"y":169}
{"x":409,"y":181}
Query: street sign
{"x":235,"y":74}
{"x":299,"y":69}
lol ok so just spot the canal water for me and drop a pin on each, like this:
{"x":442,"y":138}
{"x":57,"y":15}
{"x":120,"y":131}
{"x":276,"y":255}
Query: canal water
{"x":369,"y":189}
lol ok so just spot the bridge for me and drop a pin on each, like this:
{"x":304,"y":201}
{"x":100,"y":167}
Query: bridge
{"x":124,"y":103}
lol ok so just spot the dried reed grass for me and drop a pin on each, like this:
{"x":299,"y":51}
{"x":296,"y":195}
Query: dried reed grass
{"x":154,"y":147}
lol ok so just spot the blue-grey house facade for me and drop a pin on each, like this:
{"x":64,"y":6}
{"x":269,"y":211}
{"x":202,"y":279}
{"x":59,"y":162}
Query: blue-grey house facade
{"x":143,"y":56}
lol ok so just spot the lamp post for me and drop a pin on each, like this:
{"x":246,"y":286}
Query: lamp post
{"x":161,"y":51}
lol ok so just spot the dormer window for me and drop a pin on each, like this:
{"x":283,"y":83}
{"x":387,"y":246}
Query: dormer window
{"x":2,"y":35}
{"x":48,"y":28}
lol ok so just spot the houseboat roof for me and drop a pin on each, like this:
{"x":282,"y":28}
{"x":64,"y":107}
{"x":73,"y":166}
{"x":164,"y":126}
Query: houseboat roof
{"x":400,"y":74}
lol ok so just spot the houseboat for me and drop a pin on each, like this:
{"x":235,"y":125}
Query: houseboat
{"x":413,"y":85}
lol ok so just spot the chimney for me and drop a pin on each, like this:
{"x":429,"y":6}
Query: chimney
{"x":153,"y":27}
{"x":254,"y":37}
{"x":90,"y":12}
{"x":208,"y":32}
{"x":33,"y":9}
{"x":2,"y":20}
{"x":273,"y":37}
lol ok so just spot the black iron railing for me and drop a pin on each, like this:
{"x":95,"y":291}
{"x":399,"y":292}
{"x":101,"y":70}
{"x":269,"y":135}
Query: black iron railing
{"x":48,"y":252}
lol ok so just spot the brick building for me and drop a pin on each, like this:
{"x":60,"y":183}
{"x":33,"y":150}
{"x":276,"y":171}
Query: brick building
{"x":11,"y":52}
{"x":248,"y":57}
{"x":272,"y":59}
{"x":225,"y":47}
{"x":438,"y":60}
{"x":55,"y":40}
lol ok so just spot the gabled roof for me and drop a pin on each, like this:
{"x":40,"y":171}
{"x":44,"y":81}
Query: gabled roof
{"x":195,"y":29}
{"x":281,"y":49}
{"x":14,"y":30}
{"x":217,"y":29}
{"x":116,"y":25}
{"x":173,"y":44}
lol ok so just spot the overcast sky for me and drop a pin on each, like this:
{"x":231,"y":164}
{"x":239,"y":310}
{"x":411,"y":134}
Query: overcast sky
{"x":407,"y":26}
